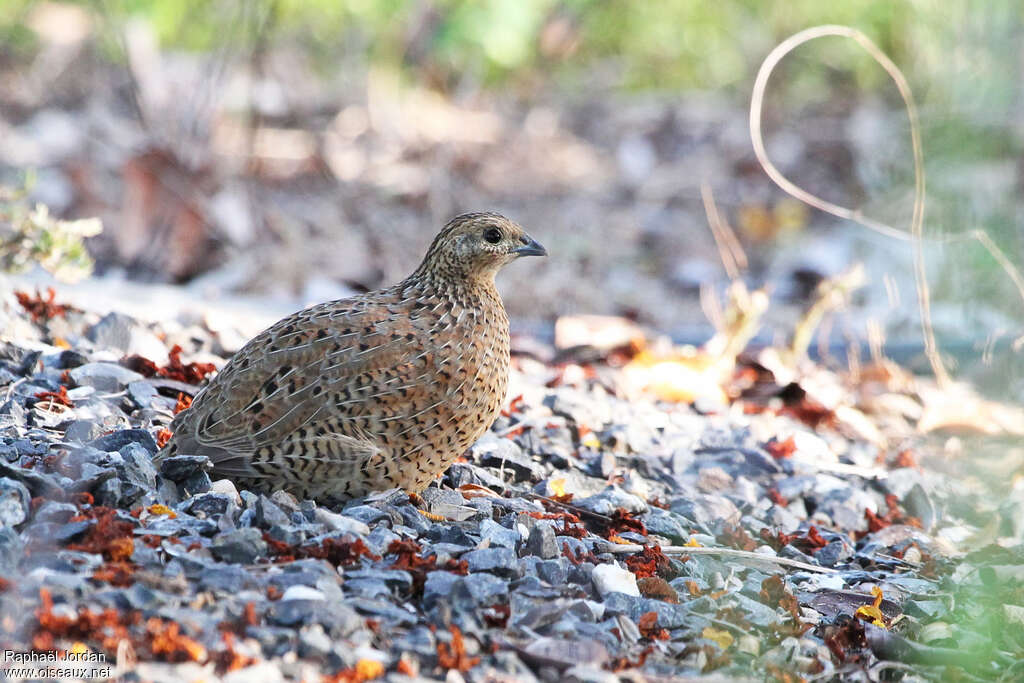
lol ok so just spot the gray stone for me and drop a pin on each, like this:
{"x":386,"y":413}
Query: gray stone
{"x":285,"y":501}
{"x":11,"y":549}
{"x":500,"y":561}
{"x":367,"y":588}
{"x":241,"y":546}
{"x":611,"y":499}
{"x":105,"y":377}
{"x":313,"y":641}
{"x":795,"y":486}
{"x":82,"y":431}
{"x":501,"y":453}
{"x":417,"y":640}
{"x":141,"y":597}
{"x":835,"y":552}
{"x":447,"y":533}
{"x":708,"y":511}
{"x":126,"y":334}
{"x":268,"y":514}
{"x":380,"y":539}
{"x":110,"y":492}
{"x":53,"y":511}
{"x":553,"y":572}
{"x":14,"y":502}
{"x":138,"y":466}
{"x":367,"y":514}
{"x":393,"y":577}
{"x":181,"y":467}
{"x":578,"y":408}
{"x":336,"y":619}
{"x":588,"y":673}
{"x":37,"y":483}
{"x":208,"y":504}
{"x":336,"y":522}
{"x":247,"y":518}
{"x":665,"y":523}
{"x":287,"y":533}
{"x":542,"y":542}
{"x":497,"y":535}
{"x":227,"y":578}
{"x":563,"y":653}
{"x":66,"y":360}
{"x":385,"y":610}
{"x":484,"y":589}
{"x":199,"y":482}
{"x":438,"y":587}
{"x":115,"y":441}
{"x":142,"y":394}
{"x":70,"y":531}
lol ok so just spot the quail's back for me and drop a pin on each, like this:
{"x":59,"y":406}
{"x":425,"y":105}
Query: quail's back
{"x":372,"y":392}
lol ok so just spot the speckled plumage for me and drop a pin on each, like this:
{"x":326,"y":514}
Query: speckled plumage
{"x":371,"y":392}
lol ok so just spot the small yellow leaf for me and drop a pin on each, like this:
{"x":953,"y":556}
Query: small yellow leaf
{"x":591,"y":441}
{"x":692,"y":543}
{"x":557,"y":486}
{"x":368,"y":669}
{"x":872,"y":612}
{"x":160,"y":509}
{"x":721,"y":637}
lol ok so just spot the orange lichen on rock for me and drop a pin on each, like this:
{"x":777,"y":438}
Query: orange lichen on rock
{"x":163,"y":436}
{"x":230,"y":659}
{"x":109,"y":536}
{"x":106,"y":628}
{"x":735,"y":536}
{"x":453,"y":655}
{"x":650,"y":561}
{"x":167,"y":643}
{"x":59,"y":397}
{"x":364,"y":670}
{"x":774,"y":593}
{"x":781,"y":449}
{"x":183,"y":403}
{"x":647,"y":624}
{"x":894,"y":515}
{"x":190,"y":373}
{"x":119,"y":574}
{"x":657,"y":588}
{"x":335,"y":550}
{"x":409,"y":559}
{"x":40,"y":308}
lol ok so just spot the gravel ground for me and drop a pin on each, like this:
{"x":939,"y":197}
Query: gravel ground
{"x":592,"y":535}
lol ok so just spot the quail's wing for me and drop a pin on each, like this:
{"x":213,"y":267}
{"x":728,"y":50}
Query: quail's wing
{"x":329,"y":364}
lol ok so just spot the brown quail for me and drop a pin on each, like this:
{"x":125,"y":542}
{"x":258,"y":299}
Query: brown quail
{"x":373,"y":392}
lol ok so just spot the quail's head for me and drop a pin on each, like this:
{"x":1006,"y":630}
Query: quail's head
{"x":476,"y":245}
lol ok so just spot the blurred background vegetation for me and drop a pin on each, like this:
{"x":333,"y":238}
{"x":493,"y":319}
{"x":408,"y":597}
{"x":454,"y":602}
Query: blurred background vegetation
{"x":633,"y":98}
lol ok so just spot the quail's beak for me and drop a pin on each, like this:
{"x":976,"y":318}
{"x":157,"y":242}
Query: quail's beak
{"x":531,"y":247}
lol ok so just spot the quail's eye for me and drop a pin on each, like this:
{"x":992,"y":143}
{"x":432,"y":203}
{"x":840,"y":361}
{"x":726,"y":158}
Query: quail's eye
{"x":492,"y":235}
